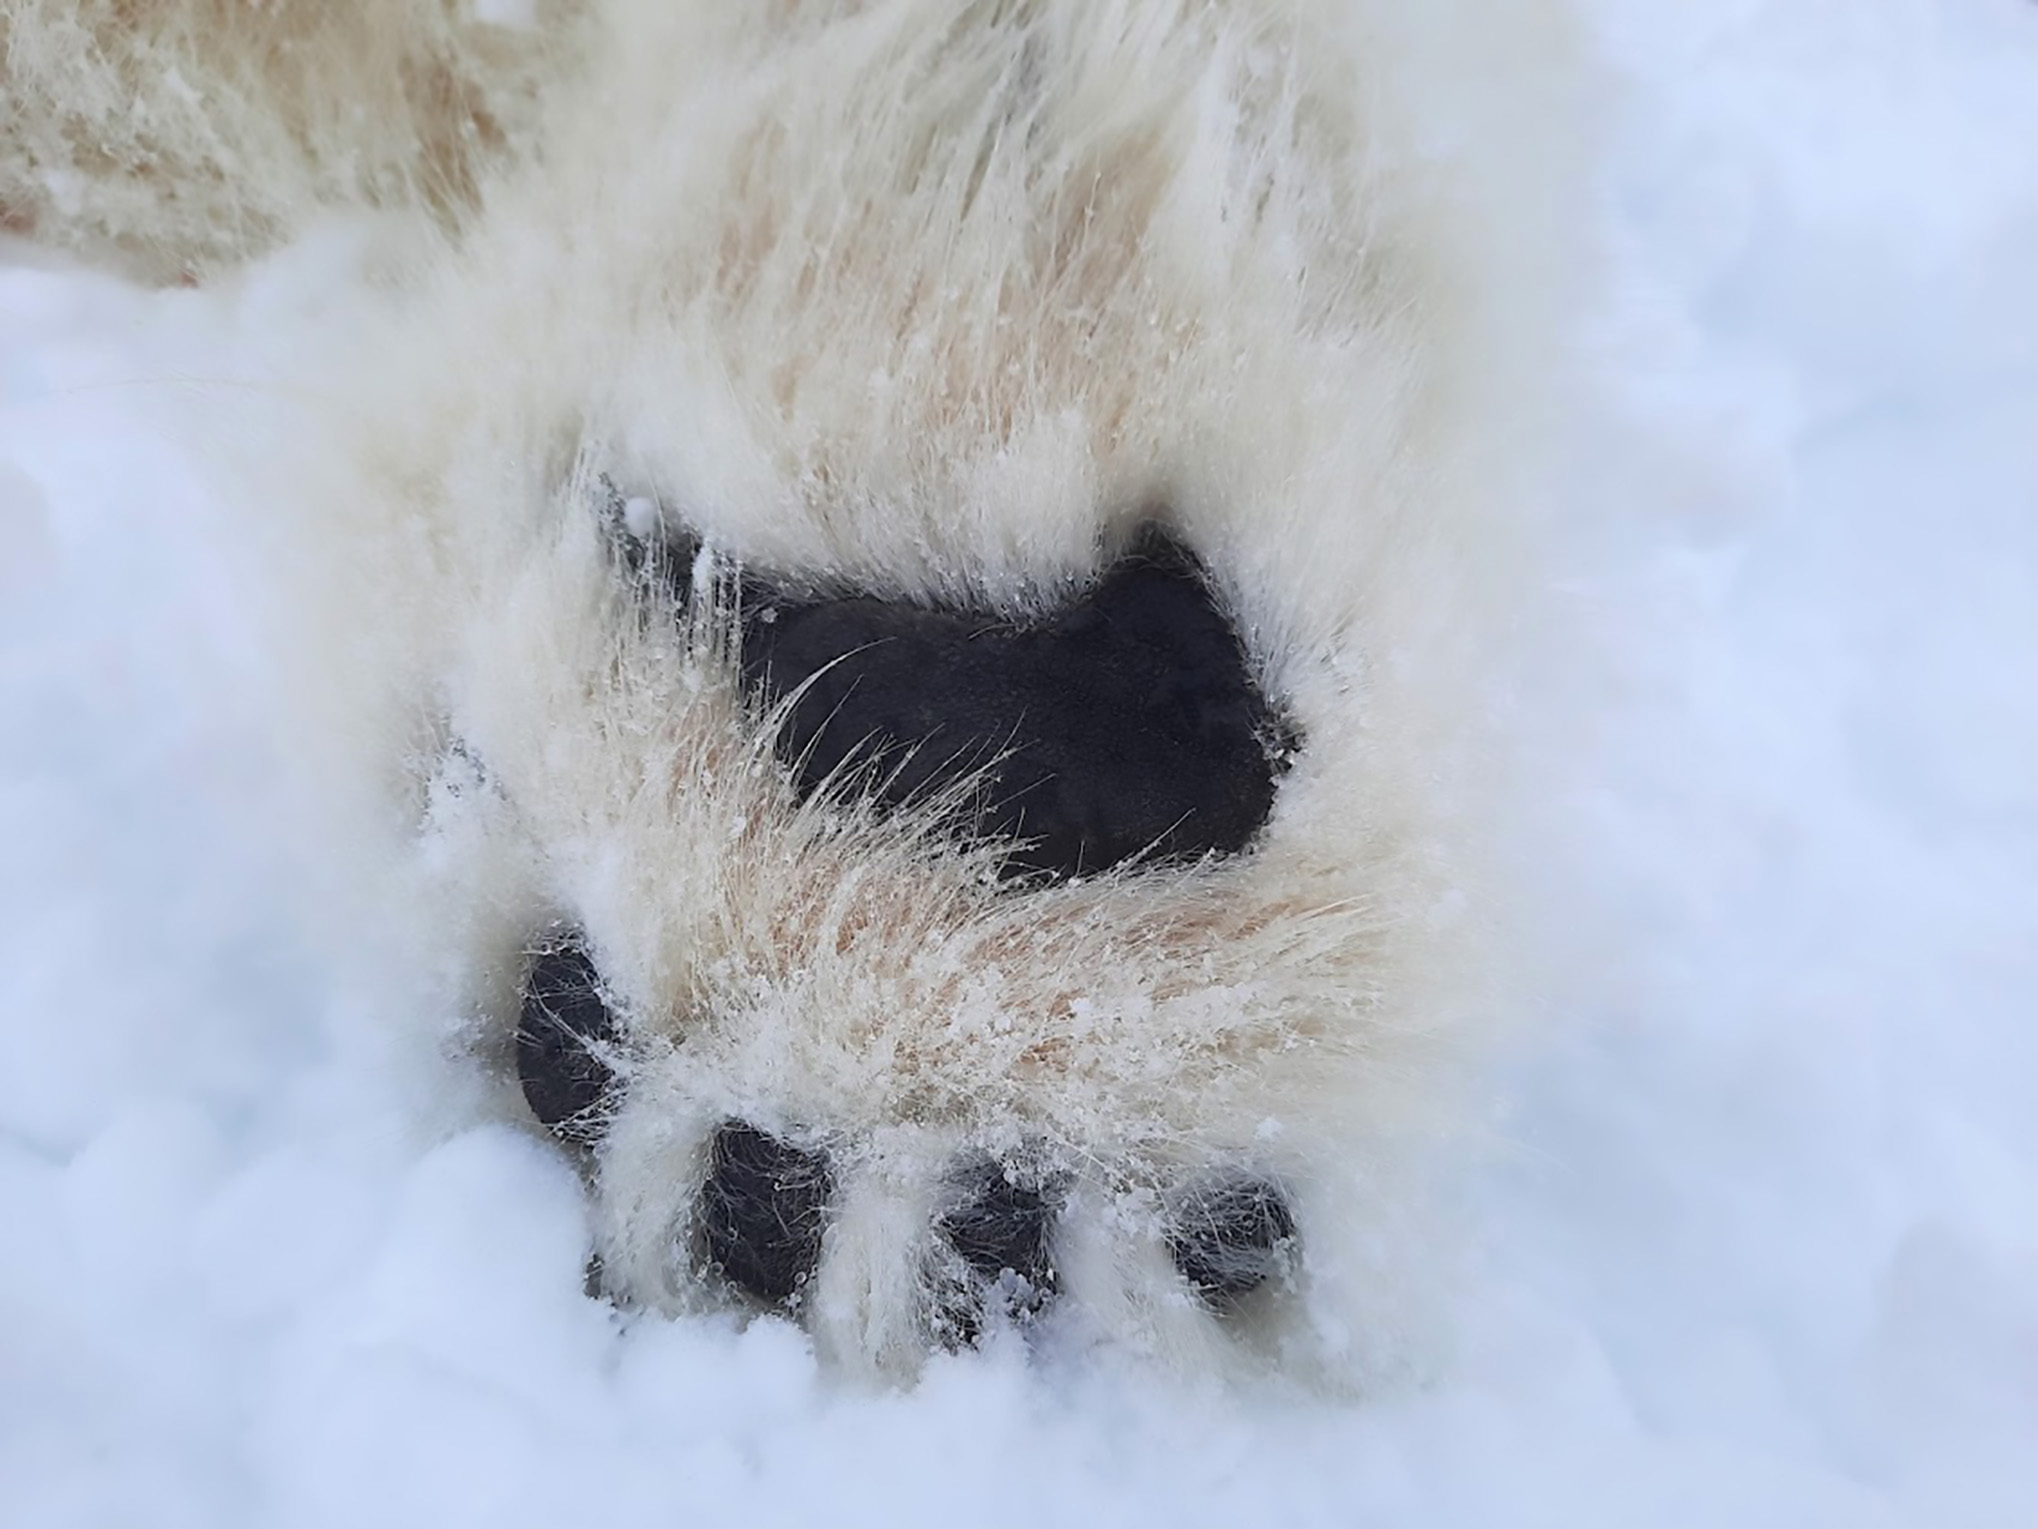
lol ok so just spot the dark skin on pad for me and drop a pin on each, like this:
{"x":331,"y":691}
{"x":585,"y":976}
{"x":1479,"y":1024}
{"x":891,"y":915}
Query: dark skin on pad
{"x":1124,"y":726}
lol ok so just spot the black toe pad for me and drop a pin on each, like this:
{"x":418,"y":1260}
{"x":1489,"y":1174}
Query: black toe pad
{"x":762,"y":1211}
{"x":562,"y":1027}
{"x":1000,"y":1231}
{"x":1228,"y":1239}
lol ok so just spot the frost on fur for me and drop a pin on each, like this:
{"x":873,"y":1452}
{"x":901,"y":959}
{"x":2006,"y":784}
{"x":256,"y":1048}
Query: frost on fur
{"x":932,"y":306}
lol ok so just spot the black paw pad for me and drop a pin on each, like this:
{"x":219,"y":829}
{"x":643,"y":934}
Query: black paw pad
{"x":657,"y":558}
{"x":998,"y":1232}
{"x":1229,"y":1239}
{"x":762,"y":1212}
{"x":1127,"y":725}
{"x":560,"y":1031}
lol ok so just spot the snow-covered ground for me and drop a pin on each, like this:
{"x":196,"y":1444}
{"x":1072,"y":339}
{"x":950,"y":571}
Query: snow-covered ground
{"x":1765,"y":1251}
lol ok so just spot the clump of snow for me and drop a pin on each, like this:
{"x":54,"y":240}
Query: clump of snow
{"x":1766,"y":1251}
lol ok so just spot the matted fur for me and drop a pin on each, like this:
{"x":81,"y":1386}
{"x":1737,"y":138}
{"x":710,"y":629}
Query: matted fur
{"x":932,"y":300}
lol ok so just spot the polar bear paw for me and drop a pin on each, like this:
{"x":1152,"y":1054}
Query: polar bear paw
{"x":1117,"y":739}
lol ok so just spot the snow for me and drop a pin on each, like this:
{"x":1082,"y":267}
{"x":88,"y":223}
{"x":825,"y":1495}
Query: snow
{"x":1765,"y":1251}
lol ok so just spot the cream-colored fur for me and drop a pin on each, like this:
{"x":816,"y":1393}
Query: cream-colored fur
{"x":178,"y":136}
{"x":933,"y":299}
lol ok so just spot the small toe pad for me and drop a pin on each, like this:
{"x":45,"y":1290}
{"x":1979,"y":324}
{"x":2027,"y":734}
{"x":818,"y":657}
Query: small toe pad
{"x":763,"y":1209}
{"x":1228,"y":1239}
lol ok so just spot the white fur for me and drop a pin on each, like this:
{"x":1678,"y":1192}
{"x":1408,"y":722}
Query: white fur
{"x":939,"y":299}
